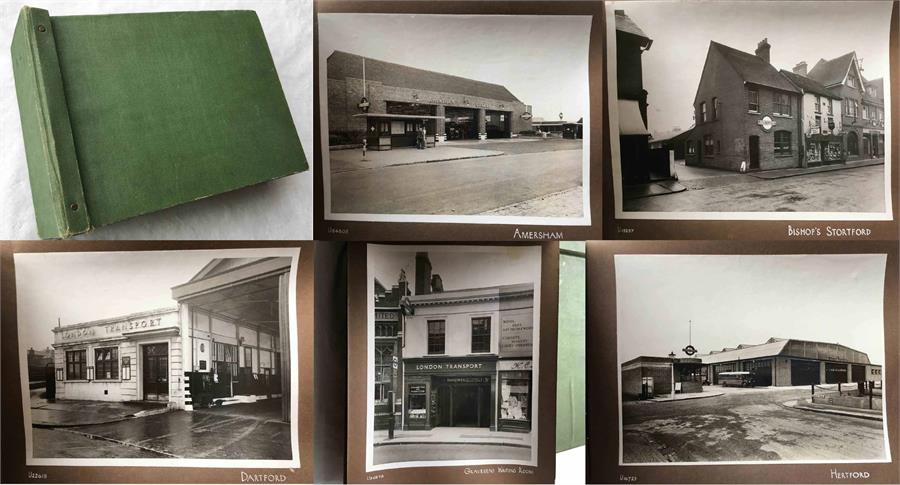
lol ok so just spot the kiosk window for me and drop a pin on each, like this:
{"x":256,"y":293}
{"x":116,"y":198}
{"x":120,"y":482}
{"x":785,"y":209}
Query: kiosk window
{"x":481,"y":335}
{"x":383,"y":372}
{"x":436,"y":334}
{"x":106,"y":363}
{"x":76,"y":365}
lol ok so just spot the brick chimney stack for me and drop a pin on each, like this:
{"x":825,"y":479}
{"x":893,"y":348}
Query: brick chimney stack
{"x":762,"y":50}
{"x":800,"y":68}
{"x":423,"y":274}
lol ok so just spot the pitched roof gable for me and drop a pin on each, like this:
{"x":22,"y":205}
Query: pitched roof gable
{"x":808,"y":85}
{"x":753,"y":69}
{"x":834,"y":71}
{"x":391,"y":74}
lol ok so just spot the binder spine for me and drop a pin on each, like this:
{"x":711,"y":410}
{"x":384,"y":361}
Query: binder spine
{"x":56,"y":188}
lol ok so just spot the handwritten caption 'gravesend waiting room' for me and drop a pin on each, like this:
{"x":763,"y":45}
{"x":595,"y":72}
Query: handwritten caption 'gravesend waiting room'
{"x":828,"y":231}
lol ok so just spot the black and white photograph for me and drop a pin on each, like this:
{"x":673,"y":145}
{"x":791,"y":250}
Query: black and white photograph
{"x":742,"y":110}
{"x":181,"y":358}
{"x":488,"y":114}
{"x":739,"y":359}
{"x":453,"y":363}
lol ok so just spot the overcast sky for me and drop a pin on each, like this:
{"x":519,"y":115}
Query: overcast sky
{"x":460,"y":267}
{"x":81,"y":287}
{"x":542,"y":60}
{"x":736,"y":300}
{"x":797,"y":31}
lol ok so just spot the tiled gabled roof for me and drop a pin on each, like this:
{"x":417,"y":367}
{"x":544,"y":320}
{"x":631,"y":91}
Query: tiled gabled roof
{"x":342,"y":65}
{"x":832,"y":72}
{"x":808,"y":85}
{"x":752,"y":68}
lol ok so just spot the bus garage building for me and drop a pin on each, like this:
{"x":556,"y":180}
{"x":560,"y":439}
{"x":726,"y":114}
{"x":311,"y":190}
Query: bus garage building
{"x":789,"y":362}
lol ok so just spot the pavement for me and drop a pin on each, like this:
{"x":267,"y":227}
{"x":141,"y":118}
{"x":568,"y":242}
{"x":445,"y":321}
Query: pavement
{"x":685,"y":396}
{"x":528,"y":172}
{"x":566,"y":203}
{"x":352,"y":159}
{"x":807,"y":405}
{"x":239,"y":431}
{"x":660,"y":187}
{"x":446,"y":443}
{"x":860,"y":189}
{"x":63,"y":413}
{"x":793,"y":172}
{"x":745,"y":426}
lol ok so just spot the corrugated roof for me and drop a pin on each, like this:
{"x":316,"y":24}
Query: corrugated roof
{"x":391,"y":74}
{"x":832,"y":72}
{"x":808,"y":85}
{"x":753,"y":69}
{"x":625,"y":24}
{"x":768,"y":349}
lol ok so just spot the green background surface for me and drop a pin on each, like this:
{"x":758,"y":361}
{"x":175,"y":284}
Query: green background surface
{"x":570,"y":395}
{"x":166,"y":108}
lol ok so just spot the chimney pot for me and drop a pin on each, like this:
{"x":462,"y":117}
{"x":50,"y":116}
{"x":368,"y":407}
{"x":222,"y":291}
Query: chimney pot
{"x":800,"y":68}
{"x":762,"y":50}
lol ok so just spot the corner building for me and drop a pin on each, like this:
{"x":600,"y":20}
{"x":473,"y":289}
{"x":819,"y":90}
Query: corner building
{"x":227,"y":341}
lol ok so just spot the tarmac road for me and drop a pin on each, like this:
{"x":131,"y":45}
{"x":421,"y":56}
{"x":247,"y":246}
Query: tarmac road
{"x":460,"y":187}
{"x":442,"y":452}
{"x":750,"y":426}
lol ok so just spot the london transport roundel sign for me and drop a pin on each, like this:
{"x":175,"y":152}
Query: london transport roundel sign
{"x":690,"y":350}
{"x":526,"y":116}
{"x":766,"y":123}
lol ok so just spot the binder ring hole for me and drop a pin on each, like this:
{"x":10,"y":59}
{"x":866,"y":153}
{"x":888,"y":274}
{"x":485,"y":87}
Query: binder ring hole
{"x":41,"y":28}
{"x":73,"y":206}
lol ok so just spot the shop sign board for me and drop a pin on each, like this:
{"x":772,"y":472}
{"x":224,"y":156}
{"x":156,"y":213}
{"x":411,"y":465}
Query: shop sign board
{"x":516,"y":334}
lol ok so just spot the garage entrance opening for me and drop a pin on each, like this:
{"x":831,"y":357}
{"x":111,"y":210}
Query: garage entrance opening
{"x":460,"y":123}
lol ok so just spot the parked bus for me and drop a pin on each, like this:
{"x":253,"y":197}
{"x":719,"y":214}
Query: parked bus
{"x":738,"y":379}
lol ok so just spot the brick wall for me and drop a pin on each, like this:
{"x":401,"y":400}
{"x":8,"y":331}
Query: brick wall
{"x":345,"y":94}
{"x":731,"y":130}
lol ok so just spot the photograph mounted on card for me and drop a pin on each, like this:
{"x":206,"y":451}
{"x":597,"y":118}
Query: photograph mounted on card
{"x":455,"y":142}
{"x":783,"y":129}
{"x":185,"y":359}
{"x":457,"y":350}
{"x":760,"y":369}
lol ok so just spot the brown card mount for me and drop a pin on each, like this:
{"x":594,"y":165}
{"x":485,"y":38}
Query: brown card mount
{"x":475,"y":187}
{"x":766,"y":374}
{"x":99,"y":363}
{"x":496,"y":375}
{"x":718,"y":176}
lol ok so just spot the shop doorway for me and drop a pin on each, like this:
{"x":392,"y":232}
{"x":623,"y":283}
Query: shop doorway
{"x":754,"y":152}
{"x":464,"y":405}
{"x":156,"y":372}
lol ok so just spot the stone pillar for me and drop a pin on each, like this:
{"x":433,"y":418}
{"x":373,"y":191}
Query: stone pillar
{"x":821,"y":372}
{"x":187,"y":356}
{"x":849,"y":373}
{"x":440,"y":134}
{"x":482,"y":125}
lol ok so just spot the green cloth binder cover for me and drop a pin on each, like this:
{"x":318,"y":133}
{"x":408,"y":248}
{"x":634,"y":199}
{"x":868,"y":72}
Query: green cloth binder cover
{"x":128,"y":114}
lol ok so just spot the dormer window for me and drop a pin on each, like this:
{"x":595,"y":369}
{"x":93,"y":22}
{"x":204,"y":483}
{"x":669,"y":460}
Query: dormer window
{"x":851,"y":81}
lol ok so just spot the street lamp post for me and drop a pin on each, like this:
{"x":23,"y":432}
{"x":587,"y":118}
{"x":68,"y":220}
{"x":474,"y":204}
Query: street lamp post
{"x":672,"y":356}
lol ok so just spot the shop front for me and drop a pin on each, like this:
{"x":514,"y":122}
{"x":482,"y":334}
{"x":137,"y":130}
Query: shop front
{"x":388,"y":131}
{"x":515,"y":378}
{"x":451,"y":392}
{"x":824,"y":149}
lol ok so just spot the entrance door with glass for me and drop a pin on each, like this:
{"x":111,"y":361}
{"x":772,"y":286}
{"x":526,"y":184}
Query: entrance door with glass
{"x":156,"y":372}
